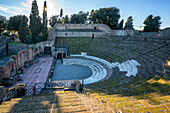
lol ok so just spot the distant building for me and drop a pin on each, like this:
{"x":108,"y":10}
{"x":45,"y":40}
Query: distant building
{"x":88,"y":30}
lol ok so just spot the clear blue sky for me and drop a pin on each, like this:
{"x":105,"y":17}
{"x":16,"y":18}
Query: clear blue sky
{"x":138,"y":9}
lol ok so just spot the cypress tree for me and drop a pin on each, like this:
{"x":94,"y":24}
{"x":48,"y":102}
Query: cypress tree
{"x":61,"y":13}
{"x":45,"y":20}
{"x":35,"y":21}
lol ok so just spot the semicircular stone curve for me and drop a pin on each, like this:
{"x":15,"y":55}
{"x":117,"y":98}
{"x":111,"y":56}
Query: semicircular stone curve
{"x":99,"y":72}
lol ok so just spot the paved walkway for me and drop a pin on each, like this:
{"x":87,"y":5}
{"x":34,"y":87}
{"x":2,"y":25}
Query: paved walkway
{"x":38,"y":72}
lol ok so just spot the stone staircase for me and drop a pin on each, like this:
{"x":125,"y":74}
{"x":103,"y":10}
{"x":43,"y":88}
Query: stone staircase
{"x":95,"y":107}
{"x":135,"y":104}
{"x":53,"y":102}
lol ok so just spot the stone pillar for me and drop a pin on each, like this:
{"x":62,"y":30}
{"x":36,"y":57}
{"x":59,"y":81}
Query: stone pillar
{"x":6,"y":70}
{"x":18,"y":60}
{"x":53,"y":51}
{"x":12,"y":68}
{"x":1,"y":73}
{"x":39,"y":50}
{"x":33,"y":53}
{"x":25,"y":55}
{"x":77,"y":86}
{"x":30,"y":53}
{"x":21,"y":59}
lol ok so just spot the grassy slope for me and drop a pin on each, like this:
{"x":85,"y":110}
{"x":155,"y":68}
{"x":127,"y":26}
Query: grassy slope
{"x":15,"y":43}
{"x":134,"y":94}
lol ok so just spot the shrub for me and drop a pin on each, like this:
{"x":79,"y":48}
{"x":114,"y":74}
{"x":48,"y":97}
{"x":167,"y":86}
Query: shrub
{"x":39,"y":38}
{"x":29,"y":39}
{"x":6,"y":34}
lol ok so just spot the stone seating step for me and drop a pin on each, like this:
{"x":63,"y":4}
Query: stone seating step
{"x":98,"y":71}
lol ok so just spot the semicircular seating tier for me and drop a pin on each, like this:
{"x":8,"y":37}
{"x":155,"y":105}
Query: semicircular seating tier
{"x":99,"y":72}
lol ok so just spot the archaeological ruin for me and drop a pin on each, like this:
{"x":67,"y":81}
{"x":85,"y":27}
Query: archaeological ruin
{"x":89,"y":58}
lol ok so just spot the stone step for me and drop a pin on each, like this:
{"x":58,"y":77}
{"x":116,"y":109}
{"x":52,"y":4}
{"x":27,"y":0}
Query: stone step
{"x":98,"y":71}
{"x":95,"y":107}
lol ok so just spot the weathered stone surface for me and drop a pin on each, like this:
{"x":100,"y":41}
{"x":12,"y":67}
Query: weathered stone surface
{"x":3,"y":41}
{"x":86,"y":30}
{"x":18,"y":61}
{"x":15,"y":48}
{"x":165,"y":32}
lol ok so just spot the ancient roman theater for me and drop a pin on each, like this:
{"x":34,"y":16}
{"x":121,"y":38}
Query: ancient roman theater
{"x":117,"y":70}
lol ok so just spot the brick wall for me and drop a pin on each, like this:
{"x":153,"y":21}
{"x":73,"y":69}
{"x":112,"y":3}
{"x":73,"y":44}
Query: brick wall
{"x":15,"y":48}
{"x":17,"y":61}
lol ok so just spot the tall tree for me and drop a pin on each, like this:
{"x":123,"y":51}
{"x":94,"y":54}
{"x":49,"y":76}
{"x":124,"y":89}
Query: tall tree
{"x":45,"y":20}
{"x":14,"y":22}
{"x":65,"y":20}
{"x":80,"y":18}
{"x":121,"y":24}
{"x":54,"y":19}
{"x":152,"y":24}
{"x":148,"y":24}
{"x":61,"y":13}
{"x":157,"y":23}
{"x":109,"y":16}
{"x":129,"y":23}
{"x":23,"y":29}
{"x":3,"y":23}
{"x":35,"y":21}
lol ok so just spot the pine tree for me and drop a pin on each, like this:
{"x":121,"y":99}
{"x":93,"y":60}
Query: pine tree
{"x":45,"y":20}
{"x":35,"y":21}
{"x":157,"y":23}
{"x":148,"y":24}
{"x":109,"y":16}
{"x":152,"y":24}
{"x":23,"y":29}
{"x":129,"y":23}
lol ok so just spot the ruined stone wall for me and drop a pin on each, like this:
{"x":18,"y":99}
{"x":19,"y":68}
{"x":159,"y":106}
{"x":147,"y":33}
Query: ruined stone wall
{"x":147,"y":34}
{"x":165,"y":32}
{"x":3,"y":41}
{"x":102,"y":27}
{"x":80,"y":34}
{"x":15,"y":48}
{"x":62,"y":30}
{"x":123,"y":32}
{"x":18,"y":61}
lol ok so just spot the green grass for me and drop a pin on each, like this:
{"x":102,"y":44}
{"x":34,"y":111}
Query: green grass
{"x":15,"y":43}
{"x":4,"y":57}
{"x":73,"y":37}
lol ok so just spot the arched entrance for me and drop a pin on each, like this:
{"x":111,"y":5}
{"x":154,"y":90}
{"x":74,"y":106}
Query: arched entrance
{"x":47,"y":50}
{"x":64,"y":55}
{"x":92,"y":35}
{"x":59,"y":56}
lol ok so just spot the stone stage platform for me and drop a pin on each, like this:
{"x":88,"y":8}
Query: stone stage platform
{"x":37,"y":72}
